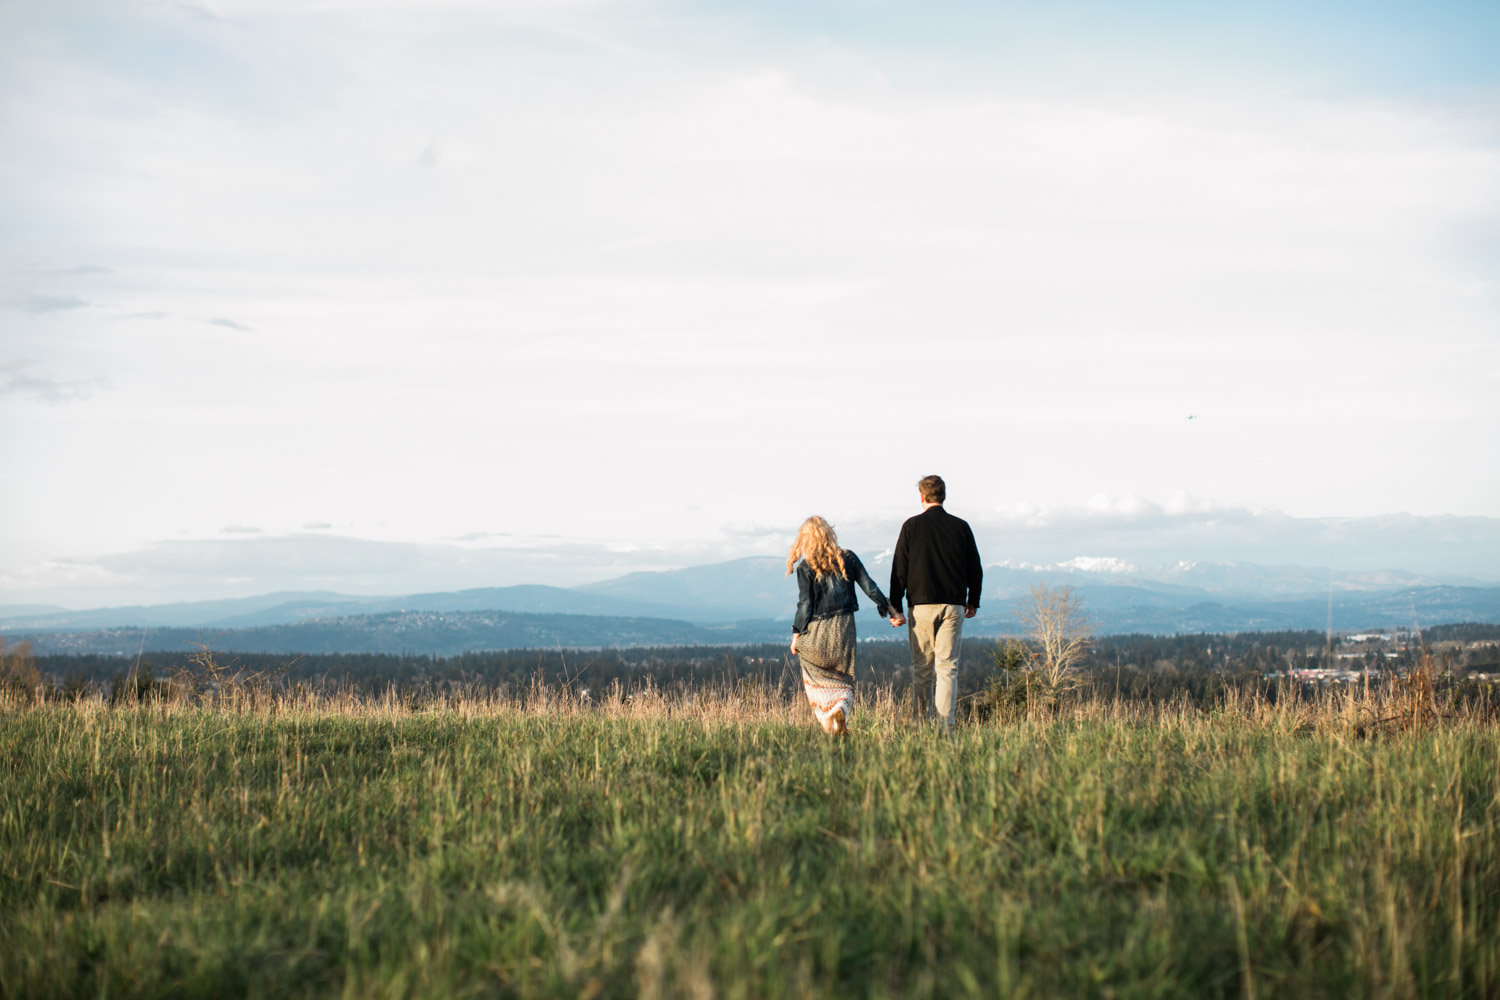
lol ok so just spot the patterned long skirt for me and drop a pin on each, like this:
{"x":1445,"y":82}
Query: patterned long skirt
{"x":826,"y":653}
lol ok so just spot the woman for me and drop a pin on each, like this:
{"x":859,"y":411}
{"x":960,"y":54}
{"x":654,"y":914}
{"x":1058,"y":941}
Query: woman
{"x":823,"y":631}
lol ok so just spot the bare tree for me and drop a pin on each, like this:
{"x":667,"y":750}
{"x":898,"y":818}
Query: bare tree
{"x":1053,"y":618}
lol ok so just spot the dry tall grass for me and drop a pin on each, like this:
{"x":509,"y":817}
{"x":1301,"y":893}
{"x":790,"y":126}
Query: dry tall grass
{"x":1411,"y":703}
{"x":240,"y":839}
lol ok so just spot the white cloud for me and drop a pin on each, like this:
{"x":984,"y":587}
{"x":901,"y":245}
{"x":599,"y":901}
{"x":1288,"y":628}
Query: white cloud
{"x":1098,"y":564}
{"x":80,"y":270}
{"x":675,"y":273}
{"x":180,"y":570}
{"x":17,"y":379}
{"x":1157,"y":535}
{"x":1182,"y":502}
{"x":1443,"y":547}
{"x":230,"y":324}
{"x":1123,"y":508}
{"x":41,"y":303}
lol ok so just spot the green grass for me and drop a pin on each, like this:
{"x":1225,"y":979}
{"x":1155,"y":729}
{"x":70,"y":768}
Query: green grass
{"x":732,"y":850}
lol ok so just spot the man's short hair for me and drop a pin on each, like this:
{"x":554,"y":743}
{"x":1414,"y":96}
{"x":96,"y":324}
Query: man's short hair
{"x":932,"y":489}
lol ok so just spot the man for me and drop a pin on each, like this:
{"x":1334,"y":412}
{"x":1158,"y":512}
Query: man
{"x":936,"y":567}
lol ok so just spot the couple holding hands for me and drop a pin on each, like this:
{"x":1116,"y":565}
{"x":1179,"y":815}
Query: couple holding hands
{"x":935,"y":567}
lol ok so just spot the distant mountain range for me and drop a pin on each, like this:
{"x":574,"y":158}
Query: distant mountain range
{"x":423,"y":633}
{"x":290,"y":607}
{"x":748,"y":600}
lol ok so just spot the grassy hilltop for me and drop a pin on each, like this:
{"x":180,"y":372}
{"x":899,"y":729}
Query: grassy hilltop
{"x":721,"y":846}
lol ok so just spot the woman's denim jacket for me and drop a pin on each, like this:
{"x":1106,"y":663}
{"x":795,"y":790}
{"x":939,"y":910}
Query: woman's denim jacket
{"x":830,"y":594}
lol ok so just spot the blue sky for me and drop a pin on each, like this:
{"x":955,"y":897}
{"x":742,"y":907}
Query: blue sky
{"x":511,"y":282}
{"x":1354,"y":49}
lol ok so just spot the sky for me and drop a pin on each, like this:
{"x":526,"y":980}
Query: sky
{"x":382,"y":296}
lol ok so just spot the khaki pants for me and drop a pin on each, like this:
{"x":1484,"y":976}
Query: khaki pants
{"x":934,"y":631}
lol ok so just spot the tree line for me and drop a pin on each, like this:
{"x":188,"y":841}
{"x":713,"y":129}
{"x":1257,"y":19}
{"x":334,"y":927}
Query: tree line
{"x":1199,"y":668}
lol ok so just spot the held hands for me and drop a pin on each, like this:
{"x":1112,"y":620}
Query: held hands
{"x":897,"y":620}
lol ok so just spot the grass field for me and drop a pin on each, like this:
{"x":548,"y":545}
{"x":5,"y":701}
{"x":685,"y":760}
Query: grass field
{"x":725,"y":847}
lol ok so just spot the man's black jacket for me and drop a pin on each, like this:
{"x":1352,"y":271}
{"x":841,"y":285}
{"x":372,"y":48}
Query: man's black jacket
{"x":936,"y":561}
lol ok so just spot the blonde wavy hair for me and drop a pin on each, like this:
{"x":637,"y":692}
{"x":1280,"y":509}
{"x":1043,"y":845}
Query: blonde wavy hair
{"x":819,"y":547}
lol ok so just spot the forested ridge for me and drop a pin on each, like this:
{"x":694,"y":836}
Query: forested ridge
{"x":1150,"y":667}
